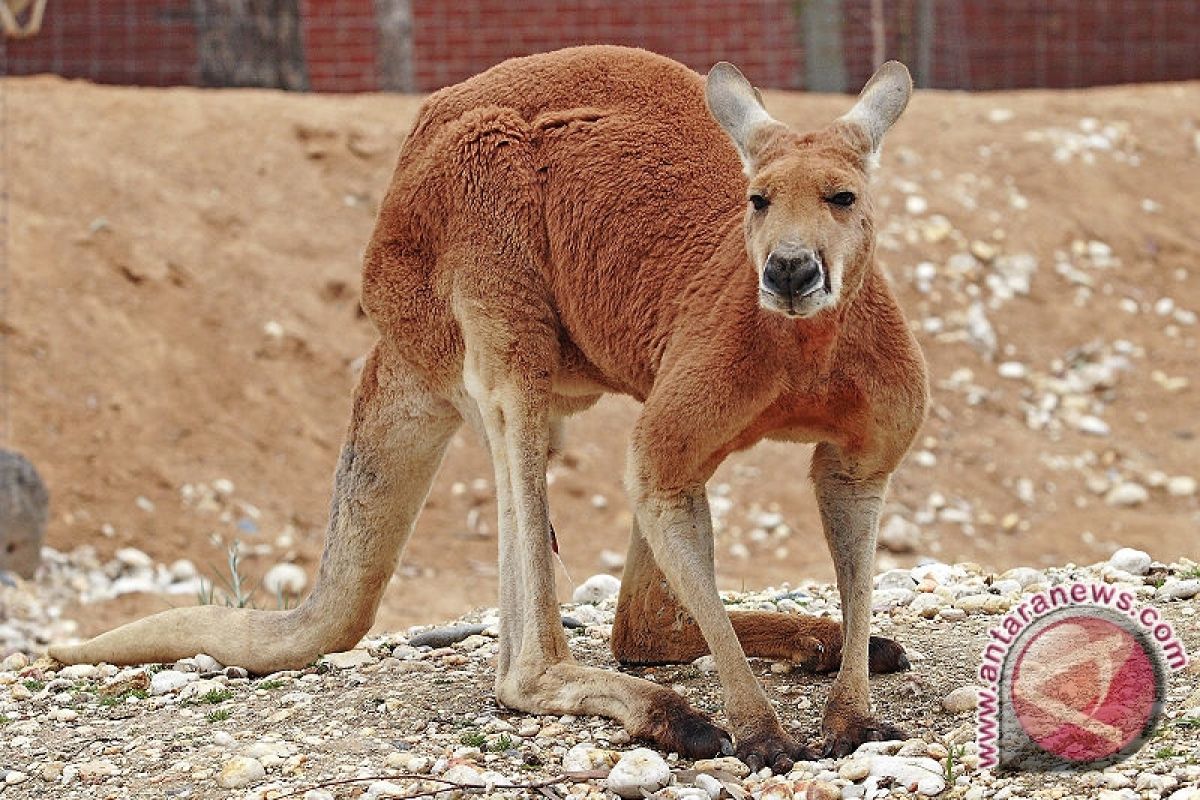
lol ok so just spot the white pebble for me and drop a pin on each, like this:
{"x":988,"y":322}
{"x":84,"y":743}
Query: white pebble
{"x":1135,"y":562}
{"x":637,"y":771}
{"x":1127,"y":494}
{"x":240,"y":771}
{"x":961,"y":700}
{"x":596,"y":589}
{"x":1181,"y":486}
{"x":170,"y":680}
{"x":285,"y":579}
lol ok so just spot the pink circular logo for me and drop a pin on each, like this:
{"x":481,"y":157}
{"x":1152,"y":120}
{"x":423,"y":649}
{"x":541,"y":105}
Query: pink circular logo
{"x":1086,"y":686}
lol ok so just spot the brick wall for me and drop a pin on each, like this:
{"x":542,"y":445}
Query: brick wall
{"x":452,"y":41}
{"x":975,"y":44}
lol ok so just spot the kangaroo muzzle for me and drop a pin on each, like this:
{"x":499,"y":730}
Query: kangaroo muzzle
{"x":795,"y":275}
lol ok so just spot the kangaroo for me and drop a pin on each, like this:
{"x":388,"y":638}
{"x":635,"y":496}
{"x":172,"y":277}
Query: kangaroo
{"x":575,"y":223}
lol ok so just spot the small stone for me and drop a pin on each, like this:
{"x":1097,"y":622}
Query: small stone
{"x":639,"y":770}
{"x":1092,"y":425}
{"x":1127,"y":494}
{"x":855,"y":769}
{"x":349,"y":659}
{"x":14,"y":663}
{"x":1025,"y":576}
{"x":585,"y":757}
{"x":1178,"y":590}
{"x":1135,"y":562}
{"x":962,"y":700}
{"x":1181,"y":486}
{"x":52,"y":771}
{"x":926,"y":605}
{"x":170,"y":680}
{"x":1014,"y":370}
{"x":899,"y":535}
{"x":206,"y":663}
{"x":97,"y":771}
{"x":133,"y":558}
{"x":924,"y":775}
{"x":733,"y":766}
{"x":76,"y":672}
{"x":888,"y":598}
{"x":706,"y":664}
{"x":240,"y":771}
{"x":896,"y":579}
{"x":709,"y":784}
{"x":285,"y":580}
{"x":445,"y":637}
{"x":13,"y":777}
{"x":596,"y":589}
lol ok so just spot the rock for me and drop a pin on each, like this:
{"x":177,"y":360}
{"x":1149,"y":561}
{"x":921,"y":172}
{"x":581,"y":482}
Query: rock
{"x":855,"y":769}
{"x":637,"y":771}
{"x":1181,"y":486}
{"x":1013,"y":370}
{"x":1127,"y":494}
{"x":206,"y":664}
{"x":733,"y":766}
{"x":585,"y":757}
{"x":1092,"y":425}
{"x":899,"y":535}
{"x":887,"y":598}
{"x":349,"y":659}
{"x":1186,"y":793}
{"x":239,"y":772}
{"x":24,"y":506}
{"x":283,"y":580}
{"x":923,"y":775}
{"x":445,"y":637}
{"x":97,"y":771}
{"x":76,"y":672}
{"x":709,"y":784}
{"x":170,"y":680}
{"x":12,"y":777}
{"x":1025,"y":576}
{"x":14,"y":663}
{"x":926,"y":604}
{"x":962,"y":699}
{"x":133,"y":558}
{"x":596,"y":589}
{"x":1178,"y":590}
{"x":1135,"y":562}
{"x":896,"y":579}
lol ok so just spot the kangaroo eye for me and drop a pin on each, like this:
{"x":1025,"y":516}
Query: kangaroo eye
{"x":759,"y":202}
{"x":843,"y":199}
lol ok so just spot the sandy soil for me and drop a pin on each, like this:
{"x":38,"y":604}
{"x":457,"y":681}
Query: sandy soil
{"x":183,"y":269}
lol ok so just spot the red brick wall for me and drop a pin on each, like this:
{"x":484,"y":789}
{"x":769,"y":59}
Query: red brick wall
{"x":340,"y":44}
{"x":453,"y":40}
{"x":111,"y":41}
{"x":978,"y":44}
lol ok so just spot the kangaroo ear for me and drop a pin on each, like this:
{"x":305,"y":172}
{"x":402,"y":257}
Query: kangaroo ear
{"x":736,"y":106}
{"x":881,"y":102}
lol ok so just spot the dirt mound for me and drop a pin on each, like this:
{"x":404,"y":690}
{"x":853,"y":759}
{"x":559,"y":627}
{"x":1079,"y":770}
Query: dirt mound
{"x":184,"y":326}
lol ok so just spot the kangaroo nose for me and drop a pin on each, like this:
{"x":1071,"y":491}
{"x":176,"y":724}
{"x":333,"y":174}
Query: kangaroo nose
{"x":795,"y":275}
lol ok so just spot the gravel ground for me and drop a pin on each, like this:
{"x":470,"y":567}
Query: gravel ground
{"x":197,"y":729}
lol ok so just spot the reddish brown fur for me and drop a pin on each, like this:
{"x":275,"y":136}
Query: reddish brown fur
{"x":575,"y":223}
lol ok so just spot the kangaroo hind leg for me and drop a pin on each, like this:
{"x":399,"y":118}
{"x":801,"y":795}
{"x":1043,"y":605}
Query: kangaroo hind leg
{"x":397,"y":435}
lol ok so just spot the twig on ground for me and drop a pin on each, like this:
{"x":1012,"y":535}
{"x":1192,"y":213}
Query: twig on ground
{"x":448,"y":785}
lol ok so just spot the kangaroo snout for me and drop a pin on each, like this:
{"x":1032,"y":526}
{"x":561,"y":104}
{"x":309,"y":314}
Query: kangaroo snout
{"x":793,"y":275}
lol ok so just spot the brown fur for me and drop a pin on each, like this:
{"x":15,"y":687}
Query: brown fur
{"x":574,"y":223}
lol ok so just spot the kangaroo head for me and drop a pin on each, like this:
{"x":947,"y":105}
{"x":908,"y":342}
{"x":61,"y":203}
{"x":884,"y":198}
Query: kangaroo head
{"x":809,"y":218}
